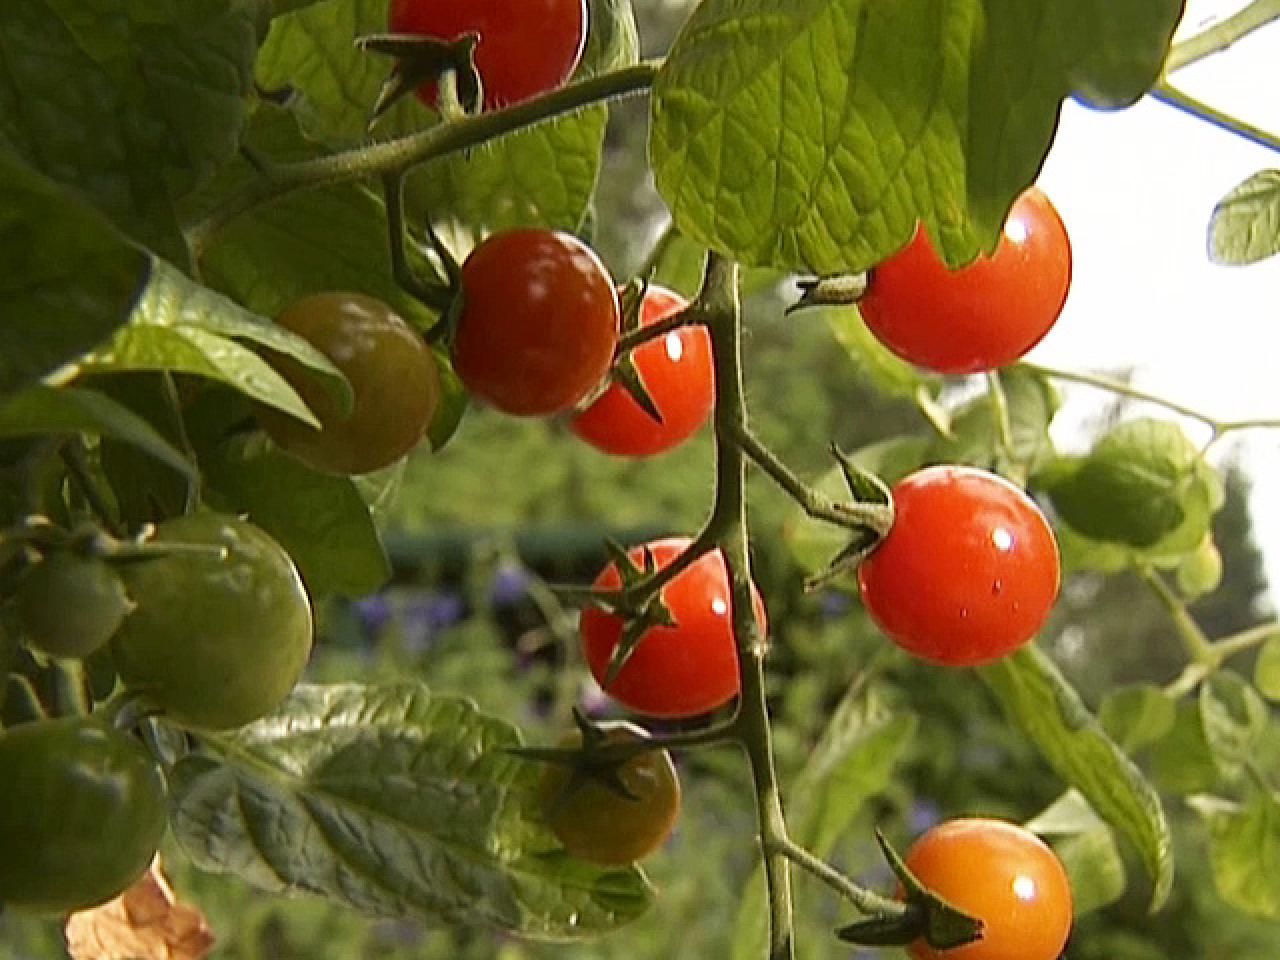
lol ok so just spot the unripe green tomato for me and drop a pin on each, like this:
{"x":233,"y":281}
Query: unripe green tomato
{"x":82,"y":810}
{"x":597,"y":824}
{"x":215,"y":642}
{"x":70,"y":605}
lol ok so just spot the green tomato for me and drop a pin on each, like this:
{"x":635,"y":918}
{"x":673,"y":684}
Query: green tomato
{"x":215,"y":642}
{"x":70,"y":605}
{"x":82,"y":810}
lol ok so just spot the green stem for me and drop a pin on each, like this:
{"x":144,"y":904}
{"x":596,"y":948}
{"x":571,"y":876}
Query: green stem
{"x":433,"y":295}
{"x":1003,"y":425}
{"x":1222,"y":34}
{"x":1237,"y":643}
{"x":391,"y":156}
{"x":77,"y":464}
{"x":719,"y":300}
{"x":874,"y":516}
{"x":1166,"y":92}
{"x":652,"y":331}
{"x":1199,"y":648}
{"x":658,"y":251}
{"x":863,"y":899}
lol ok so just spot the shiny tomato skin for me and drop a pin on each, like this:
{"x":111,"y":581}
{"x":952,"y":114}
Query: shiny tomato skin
{"x":968,"y":573}
{"x":601,"y":826}
{"x":394,"y":384}
{"x":526,"y":47}
{"x":539,"y":322}
{"x":679,"y":376}
{"x":679,"y":671}
{"x":982,"y":316}
{"x":1005,"y":876}
{"x":82,"y":810}
{"x":70,"y":605}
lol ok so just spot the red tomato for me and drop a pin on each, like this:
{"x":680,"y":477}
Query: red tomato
{"x":678,"y":374}
{"x":679,"y":671}
{"x":969,"y":571}
{"x":526,"y":47}
{"x":539,"y":322}
{"x":1003,"y":875}
{"x":985,"y":315}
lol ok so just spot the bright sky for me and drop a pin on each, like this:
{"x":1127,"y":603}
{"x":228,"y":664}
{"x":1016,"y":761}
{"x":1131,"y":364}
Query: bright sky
{"x":1136,"y":189}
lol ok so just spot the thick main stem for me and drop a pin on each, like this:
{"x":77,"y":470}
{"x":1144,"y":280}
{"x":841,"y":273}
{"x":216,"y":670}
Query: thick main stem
{"x":719,"y":301}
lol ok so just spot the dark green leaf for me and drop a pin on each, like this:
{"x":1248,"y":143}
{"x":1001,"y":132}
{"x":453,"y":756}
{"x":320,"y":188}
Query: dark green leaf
{"x":1245,"y":852}
{"x":398,"y":803}
{"x":813,"y":134}
{"x":1038,"y":699}
{"x":1138,"y":715}
{"x":40,"y":410}
{"x":1182,"y":760}
{"x":131,"y":103}
{"x":67,"y":278}
{"x":1235,"y":719}
{"x":1144,"y":485}
{"x":321,"y":520}
{"x":1245,"y":226}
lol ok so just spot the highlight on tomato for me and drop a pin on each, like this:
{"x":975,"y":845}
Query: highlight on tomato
{"x":982,"y":316}
{"x":682,"y":670}
{"x":969,"y":571}
{"x":601,"y":825}
{"x":395,"y":386}
{"x":679,"y":377}
{"x":538,"y":324}
{"x":1003,"y":875}
{"x":525,"y":48}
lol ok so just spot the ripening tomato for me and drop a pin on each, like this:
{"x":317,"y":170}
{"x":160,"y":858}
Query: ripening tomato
{"x":394,"y":385}
{"x":82,"y":810}
{"x":969,"y":571}
{"x":1003,"y":875}
{"x":679,"y":377}
{"x":600,"y":825}
{"x":526,"y":47}
{"x":678,"y":671}
{"x":539,"y":322}
{"x":982,"y":316}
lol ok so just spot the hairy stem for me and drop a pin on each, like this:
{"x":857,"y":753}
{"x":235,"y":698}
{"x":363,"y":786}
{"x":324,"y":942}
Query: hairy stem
{"x":1222,"y":34}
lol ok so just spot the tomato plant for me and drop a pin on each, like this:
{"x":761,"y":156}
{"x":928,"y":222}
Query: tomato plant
{"x":678,"y":375}
{"x":216,"y":641}
{"x":677,"y":671}
{"x":526,"y":47}
{"x":984,"y":315}
{"x":82,"y":811}
{"x":394,"y":385}
{"x":539,"y":322}
{"x":70,"y":605}
{"x":969,"y":571}
{"x":1003,"y":875}
{"x":598,"y":823}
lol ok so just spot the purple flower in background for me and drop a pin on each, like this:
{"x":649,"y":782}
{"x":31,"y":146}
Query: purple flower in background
{"x":510,"y":584}
{"x":834,"y":604}
{"x":373,"y":612}
{"x":424,"y":615}
{"x":924,"y":815}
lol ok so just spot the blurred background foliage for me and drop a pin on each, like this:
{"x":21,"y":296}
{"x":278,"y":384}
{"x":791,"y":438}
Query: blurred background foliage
{"x":479,"y":530}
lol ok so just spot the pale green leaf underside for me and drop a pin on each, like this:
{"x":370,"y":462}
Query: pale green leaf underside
{"x":1245,"y":227}
{"x":397,"y":803}
{"x":813,"y":134}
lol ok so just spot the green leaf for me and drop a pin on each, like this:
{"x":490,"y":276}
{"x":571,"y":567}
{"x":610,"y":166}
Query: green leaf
{"x":1144,"y":485}
{"x":813,"y":134}
{"x":321,"y":520}
{"x":40,"y":410}
{"x":1235,"y":720}
{"x":853,"y":761}
{"x":1087,"y":848}
{"x":613,"y":40}
{"x":184,"y":327}
{"x":130,"y":103}
{"x":1039,"y":701}
{"x":1182,"y":761}
{"x":1245,"y":226}
{"x":1032,"y":402}
{"x":395,"y":802}
{"x":1138,"y":715}
{"x":1200,"y":572}
{"x":1266,"y":671}
{"x":873,"y":360}
{"x":1244,"y":845}
{"x":67,"y":278}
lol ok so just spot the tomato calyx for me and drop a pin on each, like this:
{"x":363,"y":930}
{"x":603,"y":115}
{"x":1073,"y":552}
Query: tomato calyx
{"x":870,"y":518}
{"x":420,"y":60}
{"x":838,"y":290}
{"x":626,"y":373}
{"x":926,"y":915}
{"x":599,"y":758}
